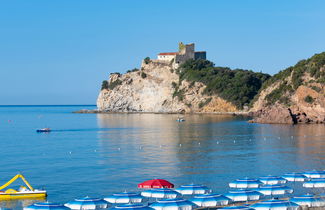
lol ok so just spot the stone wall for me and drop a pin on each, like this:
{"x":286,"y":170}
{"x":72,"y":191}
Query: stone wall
{"x":185,"y":54}
{"x":200,"y":55}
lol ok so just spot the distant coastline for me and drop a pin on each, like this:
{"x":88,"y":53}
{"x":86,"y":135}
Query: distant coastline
{"x":51,"y":105}
{"x":95,"y":111}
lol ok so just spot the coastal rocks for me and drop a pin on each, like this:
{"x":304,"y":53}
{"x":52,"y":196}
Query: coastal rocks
{"x":300,"y":110}
{"x":305,"y":105}
{"x":156,"y":88}
{"x":283,"y":115}
{"x":275,"y":114}
{"x":87,"y":111}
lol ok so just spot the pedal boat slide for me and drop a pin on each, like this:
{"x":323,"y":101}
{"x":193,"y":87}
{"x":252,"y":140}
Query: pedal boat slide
{"x":22,"y":193}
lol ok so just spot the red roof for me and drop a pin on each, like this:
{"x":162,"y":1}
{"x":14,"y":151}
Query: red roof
{"x":156,"y":183}
{"x":168,"y":53}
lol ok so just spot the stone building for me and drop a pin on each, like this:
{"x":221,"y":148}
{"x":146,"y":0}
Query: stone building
{"x":185,"y":52}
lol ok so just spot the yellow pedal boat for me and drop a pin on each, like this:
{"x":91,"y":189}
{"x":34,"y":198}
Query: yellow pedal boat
{"x":22,"y":193}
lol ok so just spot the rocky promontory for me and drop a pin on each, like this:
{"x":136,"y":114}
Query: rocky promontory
{"x":156,"y":88}
{"x":194,"y":87}
{"x":294,"y":95}
{"x":185,"y":82}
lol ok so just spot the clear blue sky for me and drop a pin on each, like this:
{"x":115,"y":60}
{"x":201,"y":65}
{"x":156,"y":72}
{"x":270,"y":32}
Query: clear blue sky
{"x":59,"y":52}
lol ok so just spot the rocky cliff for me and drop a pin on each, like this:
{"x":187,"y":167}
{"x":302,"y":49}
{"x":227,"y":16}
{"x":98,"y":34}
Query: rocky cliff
{"x":294,"y":95}
{"x":156,"y":87}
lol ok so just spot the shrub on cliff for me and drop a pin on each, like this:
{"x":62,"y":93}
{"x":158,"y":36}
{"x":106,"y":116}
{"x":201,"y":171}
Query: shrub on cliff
{"x":143,"y":75}
{"x":314,"y":67}
{"x":104,"y":85}
{"x":309,"y":99}
{"x":147,"y":60}
{"x":237,"y":86}
{"x":133,"y":70}
{"x":112,"y":85}
{"x":179,"y":93}
{"x":204,"y":103}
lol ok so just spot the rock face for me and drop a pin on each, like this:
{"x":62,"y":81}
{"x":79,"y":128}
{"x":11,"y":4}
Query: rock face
{"x":156,"y":88}
{"x":295,"y":95}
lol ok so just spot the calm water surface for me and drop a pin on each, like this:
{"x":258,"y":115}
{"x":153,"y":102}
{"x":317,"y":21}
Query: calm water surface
{"x":97,"y":155}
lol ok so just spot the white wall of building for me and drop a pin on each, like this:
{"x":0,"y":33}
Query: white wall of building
{"x":166,"y":57}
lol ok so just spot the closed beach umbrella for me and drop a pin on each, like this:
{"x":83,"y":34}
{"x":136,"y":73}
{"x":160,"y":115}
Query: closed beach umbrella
{"x":161,"y":193}
{"x":315,"y":183}
{"x":124,"y":197}
{"x":270,"y":180}
{"x":308,"y":200}
{"x":314,"y":174}
{"x":193,"y":189}
{"x":275,"y":205}
{"x":156,"y":183}
{"x":244,"y":195}
{"x":274,"y":190}
{"x":208,"y":200}
{"x":295,"y":177}
{"x":45,"y":206}
{"x":245,"y":183}
{"x":173,"y":204}
{"x":236,"y":208}
{"x":131,"y":207}
{"x":87,"y":203}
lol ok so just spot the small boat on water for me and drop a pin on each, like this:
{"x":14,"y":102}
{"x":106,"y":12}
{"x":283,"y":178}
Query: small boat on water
{"x":180,"y":120}
{"x":43,"y":130}
{"x":22,"y":193}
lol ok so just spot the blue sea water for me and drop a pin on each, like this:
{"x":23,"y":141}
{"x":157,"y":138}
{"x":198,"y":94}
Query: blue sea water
{"x":100,"y":154}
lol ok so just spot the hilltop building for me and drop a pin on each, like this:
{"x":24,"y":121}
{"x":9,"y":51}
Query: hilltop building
{"x":185,"y":52}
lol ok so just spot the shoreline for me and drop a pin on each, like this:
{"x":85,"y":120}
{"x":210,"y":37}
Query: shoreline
{"x":87,"y":111}
{"x":250,"y":115}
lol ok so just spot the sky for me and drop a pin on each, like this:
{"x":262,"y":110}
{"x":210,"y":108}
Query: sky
{"x":59,"y":52}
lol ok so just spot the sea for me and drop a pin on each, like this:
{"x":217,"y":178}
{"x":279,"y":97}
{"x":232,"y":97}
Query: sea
{"x":97,"y":155}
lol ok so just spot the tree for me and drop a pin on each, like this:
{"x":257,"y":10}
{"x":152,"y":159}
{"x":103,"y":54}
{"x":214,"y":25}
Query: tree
{"x":147,"y":60}
{"x":104,"y":85}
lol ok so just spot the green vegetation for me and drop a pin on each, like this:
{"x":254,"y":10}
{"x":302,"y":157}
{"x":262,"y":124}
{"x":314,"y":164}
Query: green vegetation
{"x":314,"y":66}
{"x":133,"y":70}
{"x":143,"y":75}
{"x":112,"y":85}
{"x":104,"y":85}
{"x":179,"y":93}
{"x":147,"y":60}
{"x":174,"y":84}
{"x":204,"y":103}
{"x":237,"y":86}
{"x":191,"y":84}
{"x":188,"y":105}
{"x":278,"y":94}
{"x":309,"y":99}
{"x":315,"y":88}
